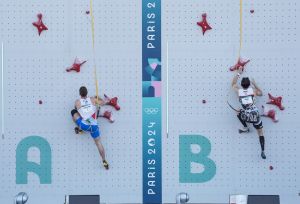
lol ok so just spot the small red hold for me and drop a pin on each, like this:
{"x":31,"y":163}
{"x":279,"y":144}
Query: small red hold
{"x":39,"y":24}
{"x":112,"y":102}
{"x":270,"y":112}
{"x":240,"y":64}
{"x":203,"y":24}
{"x":87,"y":12}
{"x":203,"y":101}
{"x":108,"y":116}
{"x":277,"y":101}
{"x":76,"y":66}
{"x":40,"y":102}
{"x":271,"y":168}
{"x":251,"y":11}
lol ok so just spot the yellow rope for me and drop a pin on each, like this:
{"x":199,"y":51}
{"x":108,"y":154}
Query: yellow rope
{"x":93,"y":42}
{"x":92,"y":23}
{"x":241,"y":27}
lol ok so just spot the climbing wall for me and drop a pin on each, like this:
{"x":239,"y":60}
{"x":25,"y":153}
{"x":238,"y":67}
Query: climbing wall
{"x":38,"y":95}
{"x":199,"y":86}
{"x":35,"y":72}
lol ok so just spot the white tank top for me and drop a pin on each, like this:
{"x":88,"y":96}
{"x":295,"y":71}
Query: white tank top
{"x":246,"y":97}
{"x":88,"y":111}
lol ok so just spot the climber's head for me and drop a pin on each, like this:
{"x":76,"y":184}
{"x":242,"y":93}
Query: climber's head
{"x":83,"y":91}
{"x":245,"y":83}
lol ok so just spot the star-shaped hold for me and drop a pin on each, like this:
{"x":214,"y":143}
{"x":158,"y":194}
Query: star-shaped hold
{"x":270,"y":112}
{"x":108,"y":116}
{"x":277,"y":101}
{"x":39,"y":24}
{"x":76,"y":66}
{"x":240,"y":64}
{"x":112,"y":102}
{"x":203,"y":24}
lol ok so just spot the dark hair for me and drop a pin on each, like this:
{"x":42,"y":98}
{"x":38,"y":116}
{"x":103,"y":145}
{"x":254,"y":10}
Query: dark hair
{"x":83,"y":91}
{"x":245,"y":82}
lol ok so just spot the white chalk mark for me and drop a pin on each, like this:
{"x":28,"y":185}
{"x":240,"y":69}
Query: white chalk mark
{"x":2,"y":89}
{"x":167,"y":84}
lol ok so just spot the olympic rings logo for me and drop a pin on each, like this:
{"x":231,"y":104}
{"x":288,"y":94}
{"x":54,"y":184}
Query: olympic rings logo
{"x":151,"y":111}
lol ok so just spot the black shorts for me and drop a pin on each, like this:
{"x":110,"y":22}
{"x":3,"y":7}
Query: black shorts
{"x":251,"y":115}
{"x":258,"y":125}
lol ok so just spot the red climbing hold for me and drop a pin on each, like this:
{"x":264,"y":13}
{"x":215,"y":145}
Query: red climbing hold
{"x":40,"y":102}
{"x":203,"y":24}
{"x":112,"y":102}
{"x":271,"y":168}
{"x":270,"y":112}
{"x":108,"y":116}
{"x":240,"y":64}
{"x":39,"y":24}
{"x":277,"y":101}
{"x":76,"y":66}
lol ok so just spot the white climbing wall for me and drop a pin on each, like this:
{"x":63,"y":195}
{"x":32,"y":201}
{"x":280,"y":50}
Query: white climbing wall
{"x":198,"y":68}
{"x":35,"y":70}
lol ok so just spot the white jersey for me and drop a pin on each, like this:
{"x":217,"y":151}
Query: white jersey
{"x":88,"y":111}
{"x":246,"y":97}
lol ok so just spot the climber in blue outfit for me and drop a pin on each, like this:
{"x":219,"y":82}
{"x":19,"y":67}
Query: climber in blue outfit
{"x":85,"y":116}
